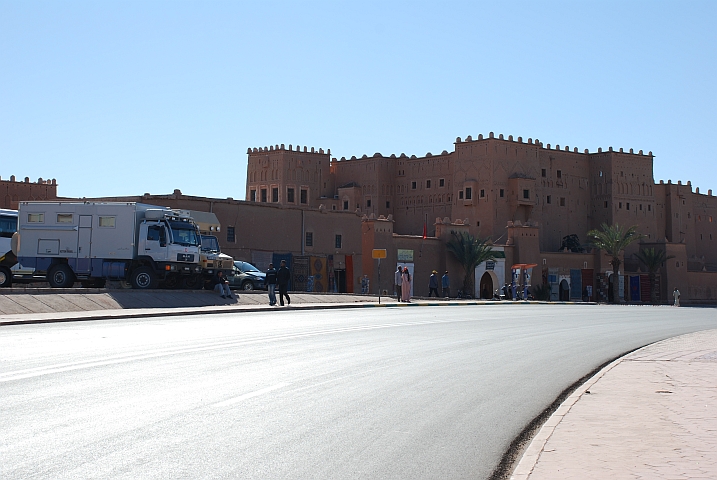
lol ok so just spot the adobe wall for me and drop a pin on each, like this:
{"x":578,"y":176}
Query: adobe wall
{"x":13,"y":192}
{"x":690,"y":217}
{"x":702,"y":288}
{"x":420,"y":197}
{"x":280,"y":168}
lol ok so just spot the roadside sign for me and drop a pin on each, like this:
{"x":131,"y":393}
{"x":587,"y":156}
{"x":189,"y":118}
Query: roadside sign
{"x":378,"y":253}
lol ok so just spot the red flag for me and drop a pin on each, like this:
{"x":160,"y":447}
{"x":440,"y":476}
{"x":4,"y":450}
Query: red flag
{"x":425,"y":230}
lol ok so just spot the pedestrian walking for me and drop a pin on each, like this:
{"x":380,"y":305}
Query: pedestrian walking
{"x":282,"y":279}
{"x":446,"y":285}
{"x":406,"y":285}
{"x":271,"y":284}
{"x":398,"y":281}
{"x":676,"y":296}
{"x":221,"y":285}
{"x":433,"y":284}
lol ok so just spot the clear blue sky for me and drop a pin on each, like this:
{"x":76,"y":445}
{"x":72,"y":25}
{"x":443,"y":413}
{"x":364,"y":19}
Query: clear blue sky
{"x":123,"y":98}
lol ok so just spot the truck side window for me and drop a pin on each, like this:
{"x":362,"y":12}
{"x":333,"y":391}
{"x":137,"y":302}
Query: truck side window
{"x":153,"y":233}
{"x":157,"y":234}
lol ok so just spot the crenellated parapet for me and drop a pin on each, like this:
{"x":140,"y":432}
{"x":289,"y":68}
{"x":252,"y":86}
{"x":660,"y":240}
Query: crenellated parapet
{"x":539,"y":144}
{"x":282,"y":148}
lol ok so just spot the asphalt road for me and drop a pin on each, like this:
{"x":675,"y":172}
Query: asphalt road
{"x":380,"y":393}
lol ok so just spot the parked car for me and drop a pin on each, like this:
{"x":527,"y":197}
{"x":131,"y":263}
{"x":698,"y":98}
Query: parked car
{"x":247,"y":277}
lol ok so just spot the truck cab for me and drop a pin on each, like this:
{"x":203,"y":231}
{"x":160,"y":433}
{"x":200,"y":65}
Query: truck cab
{"x":9,"y":267}
{"x":211,"y":257}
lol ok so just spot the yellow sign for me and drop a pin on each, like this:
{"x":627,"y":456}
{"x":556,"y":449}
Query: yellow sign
{"x":378,"y":253}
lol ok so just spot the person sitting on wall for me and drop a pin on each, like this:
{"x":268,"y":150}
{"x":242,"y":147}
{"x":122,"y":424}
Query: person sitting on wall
{"x":221,"y":285}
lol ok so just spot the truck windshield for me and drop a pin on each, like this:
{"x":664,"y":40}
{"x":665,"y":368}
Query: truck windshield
{"x":184,"y":233}
{"x":210,"y":244}
{"x":8,"y":225}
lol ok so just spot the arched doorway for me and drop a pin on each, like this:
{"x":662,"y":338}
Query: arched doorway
{"x":564,"y":290}
{"x":486,"y":286}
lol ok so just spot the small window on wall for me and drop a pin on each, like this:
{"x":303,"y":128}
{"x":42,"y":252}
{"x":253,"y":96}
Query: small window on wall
{"x":441,"y":182}
{"x":548,"y":199}
{"x":526,"y":194}
{"x":469,"y":193}
{"x":413,"y":185}
{"x":64,"y":218}
{"x":309,"y":239}
{"x":604,"y":204}
{"x":252,"y":195}
{"x":482,"y":193}
{"x":460,"y":195}
{"x":559,"y":173}
{"x":368,"y":203}
{"x":388,"y":204}
{"x":428,"y":184}
{"x":562,"y":201}
{"x":107,"y":222}
{"x":275,"y":194}
{"x":304,"y":196}
{"x":263,"y":195}
{"x":35,"y":218}
{"x":502,"y":193}
{"x":346,"y":204}
{"x":230,"y":235}
{"x":543,"y":173}
{"x":290,"y":195}
{"x":627,"y":206}
{"x":338,"y":241}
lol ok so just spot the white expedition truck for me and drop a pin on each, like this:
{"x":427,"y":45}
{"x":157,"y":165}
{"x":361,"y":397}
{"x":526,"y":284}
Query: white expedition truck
{"x":9,"y":267}
{"x":92,"y":242}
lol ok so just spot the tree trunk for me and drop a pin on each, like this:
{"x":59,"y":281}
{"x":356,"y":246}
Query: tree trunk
{"x":653,"y":291}
{"x":616,"y":282}
{"x":468,"y":284}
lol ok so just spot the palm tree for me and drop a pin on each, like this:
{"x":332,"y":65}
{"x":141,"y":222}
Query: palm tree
{"x":470,"y":252}
{"x":613,"y":239}
{"x":653,"y":260}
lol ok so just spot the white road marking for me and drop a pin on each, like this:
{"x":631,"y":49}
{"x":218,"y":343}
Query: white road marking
{"x":249,"y":395}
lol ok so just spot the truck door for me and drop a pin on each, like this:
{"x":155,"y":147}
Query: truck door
{"x":156,"y":244}
{"x":84,"y":244}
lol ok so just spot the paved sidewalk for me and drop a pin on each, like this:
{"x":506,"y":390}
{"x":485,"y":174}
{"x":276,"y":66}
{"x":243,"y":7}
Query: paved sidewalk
{"x":51,"y":307}
{"x":649,"y":415}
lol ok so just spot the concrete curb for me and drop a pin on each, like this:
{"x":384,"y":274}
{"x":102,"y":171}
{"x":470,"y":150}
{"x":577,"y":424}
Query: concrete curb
{"x":532,"y":454}
{"x":82,"y":316}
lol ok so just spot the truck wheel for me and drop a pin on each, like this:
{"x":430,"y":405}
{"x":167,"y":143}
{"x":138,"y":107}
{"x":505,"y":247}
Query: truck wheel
{"x":144,"y":278}
{"x":5,"y":277}
{"x":61,"y":276}
{"x":247,"y":285}
{"x":193,"y":282}
{"x":172,"y":281}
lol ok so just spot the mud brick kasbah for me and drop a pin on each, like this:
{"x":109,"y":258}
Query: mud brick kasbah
{"x":524,"y":195}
